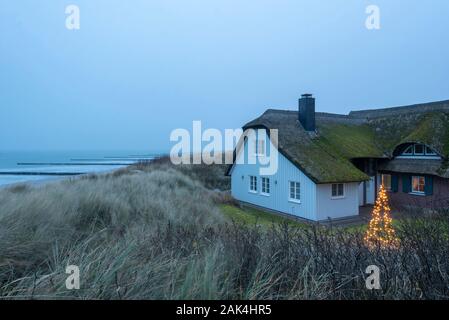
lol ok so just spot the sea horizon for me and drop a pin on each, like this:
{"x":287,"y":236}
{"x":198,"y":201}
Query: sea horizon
{"x":37,"y":166}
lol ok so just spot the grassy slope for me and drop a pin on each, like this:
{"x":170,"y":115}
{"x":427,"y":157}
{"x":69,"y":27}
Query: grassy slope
{"x":156,"y":232}
{"x":104,"y":224}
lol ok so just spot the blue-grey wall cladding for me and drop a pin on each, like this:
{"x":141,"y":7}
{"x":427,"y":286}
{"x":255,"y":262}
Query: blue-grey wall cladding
{"x":278,"y":199}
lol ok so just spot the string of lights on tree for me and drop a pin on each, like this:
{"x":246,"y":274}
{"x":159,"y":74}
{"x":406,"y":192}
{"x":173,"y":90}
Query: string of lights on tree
{"x":380,"y":230}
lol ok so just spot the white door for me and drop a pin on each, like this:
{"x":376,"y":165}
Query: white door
{"x":361,"y":190}
{"x":370,"y":190}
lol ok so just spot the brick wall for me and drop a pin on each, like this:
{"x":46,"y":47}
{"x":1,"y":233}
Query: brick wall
{"x":439,"y":199}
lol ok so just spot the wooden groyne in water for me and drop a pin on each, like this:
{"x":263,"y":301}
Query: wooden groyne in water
{"x":80,"y":162}
{"x":30,"y":173}
{"x":73,"y":164}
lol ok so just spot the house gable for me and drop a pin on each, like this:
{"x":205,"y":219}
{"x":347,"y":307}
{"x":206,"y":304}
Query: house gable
{"x":278,"y":199}
{"x":321,"y":164}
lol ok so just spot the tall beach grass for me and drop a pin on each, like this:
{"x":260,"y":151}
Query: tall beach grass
{"x":155,"y":231}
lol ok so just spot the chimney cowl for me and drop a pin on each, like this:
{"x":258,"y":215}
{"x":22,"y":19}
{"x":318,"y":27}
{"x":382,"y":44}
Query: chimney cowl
{"x":306,"y":112}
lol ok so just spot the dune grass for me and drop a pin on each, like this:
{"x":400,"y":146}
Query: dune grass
{"x":155,"y":231}
{"x":100,"y":222}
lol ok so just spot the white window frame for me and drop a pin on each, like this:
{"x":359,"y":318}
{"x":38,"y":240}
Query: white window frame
{"x":420,"y":153}
{"x":409,"y":150}
{"x":387,"y":187}
{"x":296,"y":191}
{"x":251,"y":184}
{"x":255,"y":147}
{"x":431,"y":153}
{"x":418,"y":192}
{"x":343,"y":195}
{"x":260,"y":144}
{"x":266,"y":184}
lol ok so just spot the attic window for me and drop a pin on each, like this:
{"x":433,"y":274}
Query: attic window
{"x":419,"y":149}
{"x":430,"y":152}
{"x":260,"y":147}
{"x":409,"y":150}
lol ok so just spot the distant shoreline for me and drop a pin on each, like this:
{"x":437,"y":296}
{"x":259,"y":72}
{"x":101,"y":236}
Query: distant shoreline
{"x":34,"y":182}
{"x":55,"y":178}
{"x":40,"y":169}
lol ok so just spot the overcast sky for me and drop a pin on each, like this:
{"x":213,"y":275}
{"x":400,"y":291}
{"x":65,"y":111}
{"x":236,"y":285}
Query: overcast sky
{"x":138,"y":69}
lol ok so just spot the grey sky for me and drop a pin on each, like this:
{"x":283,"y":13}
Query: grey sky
{"x":138,"y":69}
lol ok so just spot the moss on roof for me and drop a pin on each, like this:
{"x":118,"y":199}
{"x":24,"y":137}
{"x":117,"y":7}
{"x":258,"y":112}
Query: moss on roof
{"x":326,"y":156}
{"x":351,"y":141}
{"x":321,"y":164}
{"x":431,"y":128}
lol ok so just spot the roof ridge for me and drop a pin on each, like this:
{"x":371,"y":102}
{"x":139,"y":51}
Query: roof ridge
{"x":279,"y":110}
{"x":442,"y":106}
{"x":331,"y":114}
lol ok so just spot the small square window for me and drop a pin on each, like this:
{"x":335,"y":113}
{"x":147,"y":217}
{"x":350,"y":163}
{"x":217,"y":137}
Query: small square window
{"x":295,"y":191}
{"x":338,"y":190}
{"x":418,"y":184}
{"x":266,"y":186}
{"x":253,"y":184}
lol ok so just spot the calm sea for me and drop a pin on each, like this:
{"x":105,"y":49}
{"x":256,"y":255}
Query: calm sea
{"x":27,"y":166}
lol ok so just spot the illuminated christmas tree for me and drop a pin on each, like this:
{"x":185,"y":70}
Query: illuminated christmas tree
{"x":380,"y":230}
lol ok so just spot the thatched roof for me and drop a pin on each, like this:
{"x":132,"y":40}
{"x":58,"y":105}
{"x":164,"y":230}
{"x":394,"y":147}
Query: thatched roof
{"x":326,"y":156}
{"x":432,"y":167}
{"x":305,"y":150}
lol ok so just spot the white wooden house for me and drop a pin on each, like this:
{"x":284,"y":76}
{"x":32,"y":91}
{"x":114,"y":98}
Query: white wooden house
{"x":329,"y":164}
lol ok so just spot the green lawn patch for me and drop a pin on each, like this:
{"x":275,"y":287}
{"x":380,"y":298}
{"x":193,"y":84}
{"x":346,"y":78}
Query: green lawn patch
{"x":248,"y":215}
